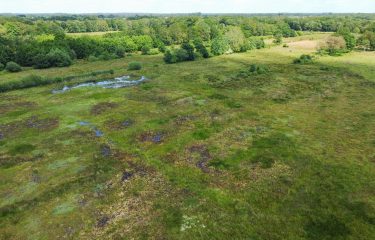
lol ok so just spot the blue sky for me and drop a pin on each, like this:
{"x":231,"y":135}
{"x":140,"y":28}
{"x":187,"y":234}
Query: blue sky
{"x":183,"y":6}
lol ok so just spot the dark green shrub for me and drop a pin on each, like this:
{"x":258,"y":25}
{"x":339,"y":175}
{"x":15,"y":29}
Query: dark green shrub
{"x":258,"y":69}
{"x":304,"y":59}
{"x":278,"y":38}
{"x":162,"y":48}
{"x":199,"y":46}
{"x":182,"y":55}
{"x":31,"y":81}
{"x":134,"y":66}
{"x":2,"y":67}
{"x":120,"y":52}
{"x":13,"y":67}
{"x":170,"y":57}
{"x":260,"y":43}
{"x":107,"y":56}
{"x":179,"y":55}
{"x":189,"y":48}
{"x":92,"y":58}
{"x":145,"y":50}
{"x":55,"y":58}
{"x":59,"y":58}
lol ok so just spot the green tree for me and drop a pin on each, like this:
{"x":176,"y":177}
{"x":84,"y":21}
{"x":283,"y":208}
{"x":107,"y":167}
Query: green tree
{"x":143,"y":41}
{"x":181,"y":55}
{"x":219,"y":46}
{"x":199,"y":46}
{"x":55,"y":58}
{"x":145,"y":50}
{"x":170,"y":57}
{"x":235,"y":37}
{"x":189,"y":48}
{"x":278,"y":38}
{"x":349,"y":38}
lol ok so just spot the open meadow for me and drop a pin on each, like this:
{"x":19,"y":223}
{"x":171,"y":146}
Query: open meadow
{"x":206,"y":149}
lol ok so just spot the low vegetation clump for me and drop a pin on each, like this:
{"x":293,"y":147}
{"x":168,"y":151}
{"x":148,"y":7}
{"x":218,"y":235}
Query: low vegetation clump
{"x":278,"y":39}
{"x":333,"y":46}
{"x":13,"y":67}
{"x":304,"y":59}
{"x":367,"y":41}
{"x":185,"y":53}
{"x":55,"y":58}
{"x":2,"y":66}
{"x":134,"y":66}
{"x":35,"y":80}
{"x":145,"y":50}
{"x":258,"y":69}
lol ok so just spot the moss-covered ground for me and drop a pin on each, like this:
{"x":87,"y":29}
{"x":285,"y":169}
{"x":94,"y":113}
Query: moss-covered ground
{"x":203,"y":150}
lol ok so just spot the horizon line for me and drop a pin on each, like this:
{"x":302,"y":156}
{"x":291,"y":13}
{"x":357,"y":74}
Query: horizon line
{"x":73,"y":13}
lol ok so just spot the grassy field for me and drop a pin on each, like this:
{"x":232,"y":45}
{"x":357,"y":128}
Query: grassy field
{"x":202,"y":150}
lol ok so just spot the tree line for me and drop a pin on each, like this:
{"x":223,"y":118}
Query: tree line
{"x":43,"y":42}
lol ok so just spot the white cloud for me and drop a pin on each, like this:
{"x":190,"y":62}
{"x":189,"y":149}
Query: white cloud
{"x":168,"y":6}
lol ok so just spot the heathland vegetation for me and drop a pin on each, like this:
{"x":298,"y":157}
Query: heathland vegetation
{"x":226,"y":127}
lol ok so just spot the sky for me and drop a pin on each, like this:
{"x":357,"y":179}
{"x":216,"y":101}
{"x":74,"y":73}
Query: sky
{"x":185,"y":6}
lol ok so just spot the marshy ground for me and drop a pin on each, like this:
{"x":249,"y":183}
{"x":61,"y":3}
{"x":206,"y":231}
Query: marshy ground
{"x":203,"y":150}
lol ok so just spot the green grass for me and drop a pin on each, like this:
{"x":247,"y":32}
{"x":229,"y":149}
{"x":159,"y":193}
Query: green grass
{"x":212,"y":151}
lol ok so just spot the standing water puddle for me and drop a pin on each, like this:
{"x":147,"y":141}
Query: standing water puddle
{"x":119,"y":82}
{"x":98,"y":133}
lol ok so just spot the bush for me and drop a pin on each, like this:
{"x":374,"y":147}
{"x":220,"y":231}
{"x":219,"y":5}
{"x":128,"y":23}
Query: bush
{"x":145,"y":50}
{"x":255,"y":43}
{"x":107,"y":56}
{"x":120,"y":52}
{"x":278,"y":38}
{"x":189,"y":48}
{"x":134,"y":66}
{"x":258,"y":69}
{"x":55,"y":58}
{"x":350,"y":39}
{"x":334,"y":46}
{"x":59,"y":58}
{"x":199,"y":46}
{"x":162,"y":48}
{"x":31,"y":81}
{"x":181,"y":55}
{"x":2,"y":67}
{"x":170,"y":57}
{"x":153,"y":52}
{"x":304,"y":59}
{"x":92,"y":58}
{"x":13,"y":67}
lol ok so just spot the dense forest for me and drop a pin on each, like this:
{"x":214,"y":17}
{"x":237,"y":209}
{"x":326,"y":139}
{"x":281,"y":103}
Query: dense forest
{"x":43,"y":42}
